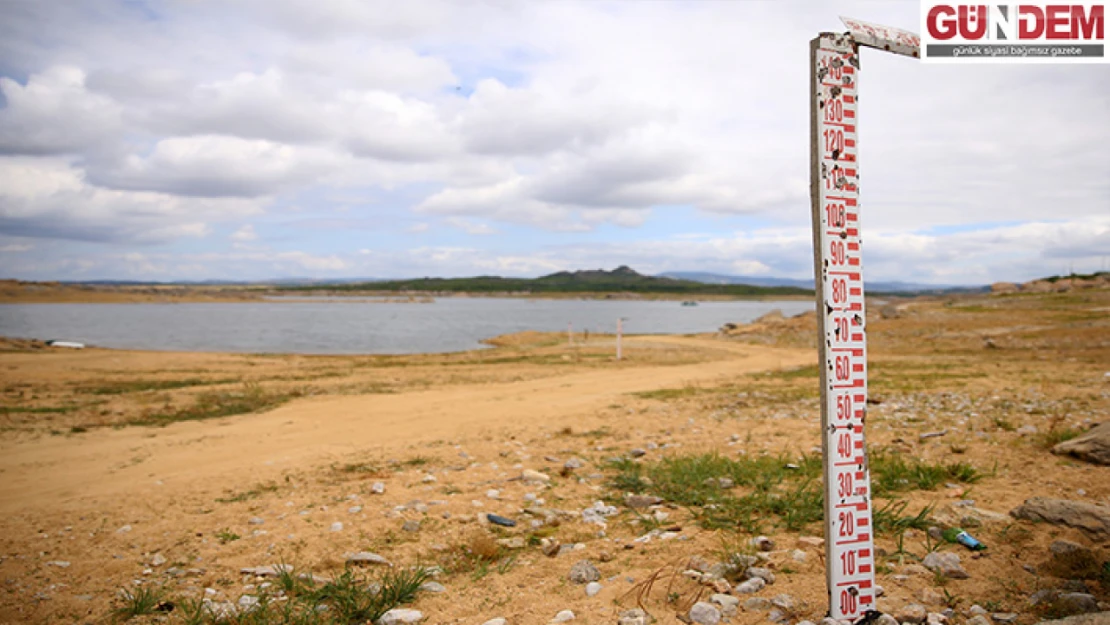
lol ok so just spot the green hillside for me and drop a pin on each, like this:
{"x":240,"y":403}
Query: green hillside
{"x":621,"y":280}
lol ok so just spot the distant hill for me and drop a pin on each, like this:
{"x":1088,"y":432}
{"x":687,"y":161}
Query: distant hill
{"x":878,"y":287}
{"x":623,"y":279}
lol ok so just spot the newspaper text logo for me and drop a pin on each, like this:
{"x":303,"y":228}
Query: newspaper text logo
{"x":1029,"y":32}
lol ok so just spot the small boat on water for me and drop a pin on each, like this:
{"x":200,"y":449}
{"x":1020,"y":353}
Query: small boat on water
{"x":69,"y":344}
{"x":689,"y":303}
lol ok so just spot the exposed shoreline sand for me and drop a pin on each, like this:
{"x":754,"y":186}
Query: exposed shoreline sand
{"x":73,"y":473}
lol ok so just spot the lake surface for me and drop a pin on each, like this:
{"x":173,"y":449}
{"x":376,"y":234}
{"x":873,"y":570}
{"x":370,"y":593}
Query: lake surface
{"x":329,"y":326}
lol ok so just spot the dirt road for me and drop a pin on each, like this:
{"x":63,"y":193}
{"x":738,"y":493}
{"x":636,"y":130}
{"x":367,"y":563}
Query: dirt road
{"x":248,"y":448}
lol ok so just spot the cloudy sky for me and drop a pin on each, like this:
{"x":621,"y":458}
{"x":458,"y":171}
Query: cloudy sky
{"x":252,"y":139}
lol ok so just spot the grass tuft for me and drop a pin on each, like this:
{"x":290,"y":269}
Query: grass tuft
{"x":893,"y":472}
{"x":215,"y":404}
{"x":141,"y":601}
{"x":780,"y":489}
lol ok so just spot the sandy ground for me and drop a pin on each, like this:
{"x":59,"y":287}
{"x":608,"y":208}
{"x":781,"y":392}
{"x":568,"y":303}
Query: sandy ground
{"x":90,"y":502}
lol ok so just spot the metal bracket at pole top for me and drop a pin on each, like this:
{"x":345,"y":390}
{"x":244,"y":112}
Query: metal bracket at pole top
{"x":887,"y":38}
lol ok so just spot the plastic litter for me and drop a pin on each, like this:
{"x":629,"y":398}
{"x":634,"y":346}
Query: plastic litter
{"x":956,"y":535}
{"x":500,"y":520}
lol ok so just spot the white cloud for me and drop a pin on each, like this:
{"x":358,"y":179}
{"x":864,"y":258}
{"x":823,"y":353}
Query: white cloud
{"x":16,"y":247}
{"x":311,"y":261}
{"x":364,"y":65}
{"x":471,"y":227}
{"x":244,"y":233}
{"x":54,"y":113}
{"x":543,"y":119}
{"x":49,"y":198}
{"x":218,"y":165}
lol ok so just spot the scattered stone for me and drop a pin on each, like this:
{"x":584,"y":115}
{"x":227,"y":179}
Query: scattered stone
{"x":1077,"y":603}
{"x":930,"y":596}
{"x":1067,"y":548}
{"x":763,"y":543}
{"x":885,"y":619}
{"x":798,"y":555}
{"x":550,"y":547}
{"x":248,"y":603}
{"x":705,"y":614}
{"x":912,"y":613}
{"x":496,"y":621}
{"x":750,"y":586}
{"x":977,"y":610}
{"x":500,"y":520}
{"x":776,"y":615}
{"x":534,"y":477}
{"x":583,"y":572}
{"x":936,"y":618}
{"x":1092,"y":519}
{"x":642,"y":501}
{"x":978,"y":619}
{"x":1004,"y":617}
{"x":757,"y":604}
{"x":61,"y":564}
{"x":354,"y":509}
{"x":336,"y":527}
{"x":945,"y":563}
{"x":633,"y":617}
{"x":267,"y":571}
{"x":574,"y":463}
{"x":1097,"y":618}
{"x":592,"y":589}
{"x":598,"y":512}
{"x":124,"y":529}
{"x":377,"y":488}
{"x":637,"y":453}
{"x":1094,"y":446}
{"x":493,"y":493}
{"x":786,"y":602}
{"x":401,"y":616}
{"x":759,"y":572}
{"x":428,"y":479}
{"x":563,"y":616}
{"x":433,"y":587}
{"x":410,"y":526}
{"x":365,"y":557}
{"x":729,"y":604}
{"x":811,"y":541}
{"x":516,"y":542}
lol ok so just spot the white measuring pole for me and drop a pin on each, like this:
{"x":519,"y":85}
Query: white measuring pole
{"x":842,"y":340}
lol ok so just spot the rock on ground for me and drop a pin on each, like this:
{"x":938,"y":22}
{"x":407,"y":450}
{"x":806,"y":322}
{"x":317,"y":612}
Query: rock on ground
{"x":750,"y":586}
{"x":1094,"y":446}
{"x":947,"y":564}
{"x":705,"y":614}
{"x":400,"y":616}
{"x":365,"y":557}
{"x":563,"y":616}
{"x":633,"y":617}
{"x":1093,"y":520}
{"x":729,"y":604}
{"x":583,"y":572}
{"x":912,"y":613}
{"x":1097,"y":618}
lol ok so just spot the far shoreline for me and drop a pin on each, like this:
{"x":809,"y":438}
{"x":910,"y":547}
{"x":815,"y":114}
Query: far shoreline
{"x":55,"y":293}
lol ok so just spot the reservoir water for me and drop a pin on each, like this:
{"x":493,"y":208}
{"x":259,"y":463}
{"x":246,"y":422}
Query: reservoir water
{"x":335,"y":326}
